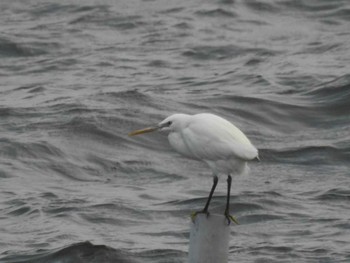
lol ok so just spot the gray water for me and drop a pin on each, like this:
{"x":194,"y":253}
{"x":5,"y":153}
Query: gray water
{"x":77,"y":76}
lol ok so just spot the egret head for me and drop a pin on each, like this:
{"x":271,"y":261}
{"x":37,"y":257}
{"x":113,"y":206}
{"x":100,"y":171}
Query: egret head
{"x":169,"y":124}
{"x":166,"y":125}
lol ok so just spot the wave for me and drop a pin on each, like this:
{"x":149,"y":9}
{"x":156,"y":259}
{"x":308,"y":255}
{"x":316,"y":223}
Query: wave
{"x":336,"y":194}
{"x":223,"y":52}
{"x":82,"y":252}
{"x":332,"y":97}
{"x":313,"y":7}
{"x":10,"y":48}
{"x":105,"y":16}
{"x":323,"y":106}
{"x":36,"y":150}
{"x":218,"y":12}
{"x":322,"y":155}
{"x":17,"y":48}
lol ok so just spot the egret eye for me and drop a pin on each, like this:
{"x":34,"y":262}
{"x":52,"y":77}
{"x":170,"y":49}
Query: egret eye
{"x":169,"y":123}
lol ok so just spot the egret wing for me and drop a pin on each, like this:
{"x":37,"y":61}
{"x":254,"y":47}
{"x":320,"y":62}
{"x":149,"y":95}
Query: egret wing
{"x":217,"y":140}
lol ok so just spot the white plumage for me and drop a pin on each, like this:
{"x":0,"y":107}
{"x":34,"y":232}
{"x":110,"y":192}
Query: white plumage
{"x":211,"y":139}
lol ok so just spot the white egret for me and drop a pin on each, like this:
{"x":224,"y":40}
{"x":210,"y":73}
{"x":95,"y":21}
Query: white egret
{"x":211,"y":139}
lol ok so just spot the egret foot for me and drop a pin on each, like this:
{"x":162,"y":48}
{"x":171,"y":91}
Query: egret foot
{"x":231,"y":219}
{"x":194,"y":214}
{"x":205,"y":210}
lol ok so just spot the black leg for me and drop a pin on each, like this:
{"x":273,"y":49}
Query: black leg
{"x":229,"y":182}
{"x":205,"y":210}
{"x":227,"y":210}
{"x":215,"y":182}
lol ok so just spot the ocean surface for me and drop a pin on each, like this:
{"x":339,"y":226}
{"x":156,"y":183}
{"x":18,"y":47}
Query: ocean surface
{"x":77,"y":76}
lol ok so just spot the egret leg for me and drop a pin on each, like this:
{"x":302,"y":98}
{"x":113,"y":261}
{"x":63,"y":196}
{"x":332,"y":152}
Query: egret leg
{"x":227,"y":210}
{"x":229,"y":182}
{"x":205,"y":210}
{"x":215,"y":182}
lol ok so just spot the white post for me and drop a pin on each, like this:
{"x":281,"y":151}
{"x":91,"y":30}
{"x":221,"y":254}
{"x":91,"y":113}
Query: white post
{"x":209,"y":239}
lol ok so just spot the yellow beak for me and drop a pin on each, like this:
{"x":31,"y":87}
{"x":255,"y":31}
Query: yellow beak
{"x":146,"y":130}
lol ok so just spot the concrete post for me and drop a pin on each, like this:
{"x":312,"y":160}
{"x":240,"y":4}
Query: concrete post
{"x":209,"y":239}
